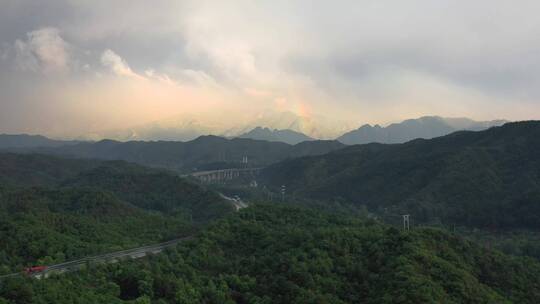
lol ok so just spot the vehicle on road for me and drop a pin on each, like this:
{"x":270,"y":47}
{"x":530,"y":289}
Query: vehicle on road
{"x":35,"y":269}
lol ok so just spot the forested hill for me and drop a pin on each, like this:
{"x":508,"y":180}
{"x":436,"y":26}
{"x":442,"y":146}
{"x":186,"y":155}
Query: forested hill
{"x":271,"y":254}
{"x":489,"y":178}
{"x":40,"y":170}
{"x":147,"y":188}
{"x":203,"y":153}
{"x":152,"y":190}
{"x":54,"y":209}
{"x":45,"y":226}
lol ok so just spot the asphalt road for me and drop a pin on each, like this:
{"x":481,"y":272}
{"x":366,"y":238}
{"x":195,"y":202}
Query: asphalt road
{"x":236,"y":201}
{"x":116,"y":256}
{"x":111,"y":257}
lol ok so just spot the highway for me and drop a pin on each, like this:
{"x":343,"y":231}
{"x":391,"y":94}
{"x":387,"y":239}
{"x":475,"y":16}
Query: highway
{"x":236,"y":201}
{"x":111,"y":257}
{"x":116,"y":256}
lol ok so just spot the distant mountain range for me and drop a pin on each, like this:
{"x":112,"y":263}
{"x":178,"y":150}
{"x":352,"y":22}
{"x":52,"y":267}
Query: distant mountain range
{"x":292,"y":128}
{"x":286,"y":127}
{"x":179,"y":128}
{"x":30,"y":141}
{"x":314,"y":126}
{"x":204,"y":153}
{"x":286,"y":136}
{"x":424,"y":127}
{"x":188,"y":127}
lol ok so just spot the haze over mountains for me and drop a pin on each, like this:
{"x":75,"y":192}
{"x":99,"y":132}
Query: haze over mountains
{"x":262,"y":146}
{"x":30,"y":141}
{"x":284,"y":127}
{"x":314,"y":126}
{"x":424,"y":127}
{"x":286,"y":136}
{"x":293,"y":128}
{"x":189,"y":127}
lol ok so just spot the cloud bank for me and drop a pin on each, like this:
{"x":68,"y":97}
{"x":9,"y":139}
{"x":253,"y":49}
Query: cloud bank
{"x":43,"y":50}
{"x":68,"y":68}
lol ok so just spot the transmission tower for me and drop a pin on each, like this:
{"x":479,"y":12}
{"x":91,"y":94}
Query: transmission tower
{"x":406,"y":222}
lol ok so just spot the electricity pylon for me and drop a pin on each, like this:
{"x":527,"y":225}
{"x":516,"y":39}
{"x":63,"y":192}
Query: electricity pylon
{"x":406,"y":222}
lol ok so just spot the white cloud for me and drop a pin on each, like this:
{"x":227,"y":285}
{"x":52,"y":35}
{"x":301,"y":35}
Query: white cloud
{"x":44,"y":50}
{"x":25,"y":58}
{"x":117,"y":64}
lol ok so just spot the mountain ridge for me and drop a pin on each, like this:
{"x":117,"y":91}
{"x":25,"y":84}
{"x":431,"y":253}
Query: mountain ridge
{"x":424,"y":127}
{"x":31,"y":141}
{"x":476,"y":178}
{"x":203,"y":153}
{"x":285,"y":135}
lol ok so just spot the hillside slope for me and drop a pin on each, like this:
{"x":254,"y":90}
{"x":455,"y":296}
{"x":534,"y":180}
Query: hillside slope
{"x":40,"y":170}
{"x":54,"y":209}
{"x":147,"y":188}
{"x":489,"y":178}
{"x":45,"y":226}
{"x":152,"y":189}
{"x":271,"y":254}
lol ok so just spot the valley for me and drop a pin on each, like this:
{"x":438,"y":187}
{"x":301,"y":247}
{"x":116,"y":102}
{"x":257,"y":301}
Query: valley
{"x":269,"y":152}
{"x":322,"y":238}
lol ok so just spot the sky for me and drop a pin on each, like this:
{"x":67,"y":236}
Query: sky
{"x":69,"y":68}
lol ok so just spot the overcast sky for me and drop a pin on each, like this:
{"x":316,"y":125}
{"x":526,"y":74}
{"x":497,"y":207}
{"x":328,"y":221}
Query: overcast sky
{"x":73,"y":67}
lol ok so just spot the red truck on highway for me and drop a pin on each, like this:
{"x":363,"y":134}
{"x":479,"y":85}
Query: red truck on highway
{"x":35,"y":269}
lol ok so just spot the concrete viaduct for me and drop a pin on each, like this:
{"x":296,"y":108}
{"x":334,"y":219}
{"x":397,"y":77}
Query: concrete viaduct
{"x":217,"y":176}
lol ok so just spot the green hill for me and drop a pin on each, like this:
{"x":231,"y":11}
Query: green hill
{"x":39,"y":170}
{"x":489,"y":178}
{"x":152,"y":189}
{"x":147,"y":188}
{"x":271,"y":254}
{"x":54,"y":209}
{"x":44,"y":226}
